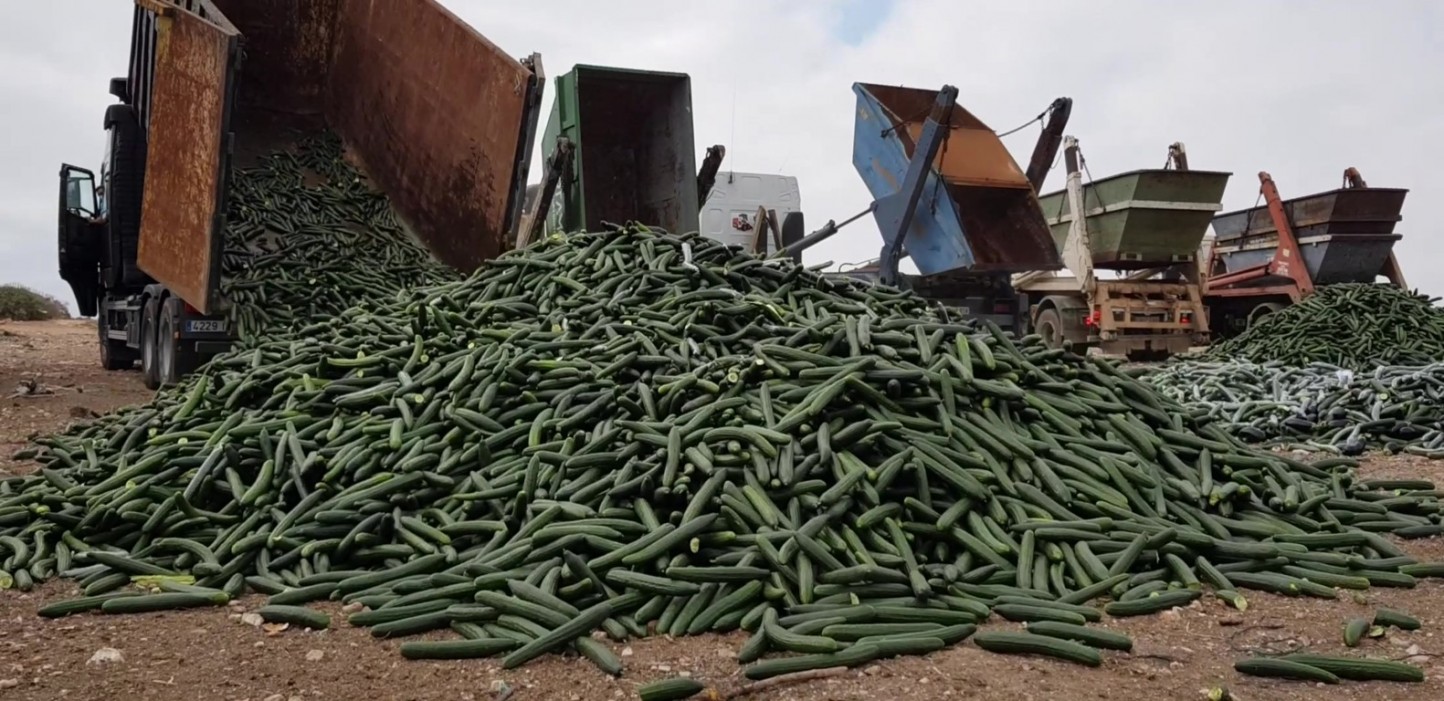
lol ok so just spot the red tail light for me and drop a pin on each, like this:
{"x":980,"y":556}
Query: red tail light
{"x":191,"y":310}
{"x":1094,"y":319}
{"x":1002,"y":308}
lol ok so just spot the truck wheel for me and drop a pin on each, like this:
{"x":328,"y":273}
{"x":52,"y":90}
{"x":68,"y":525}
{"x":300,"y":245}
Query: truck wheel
{"x":1050,"y":327}
{"x":176,"y":359}
{"x":149,"y":360}
{"x":114,"y":355}
{"x":1259,"y":312}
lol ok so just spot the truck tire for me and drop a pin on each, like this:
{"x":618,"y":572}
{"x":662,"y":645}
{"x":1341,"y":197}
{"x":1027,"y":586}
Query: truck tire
{"x":177,"y":358}
{"x":1050,"y":326}
{"x":1262,"y":310}
{"x":114,"y":355}
{"x":149,"y":358}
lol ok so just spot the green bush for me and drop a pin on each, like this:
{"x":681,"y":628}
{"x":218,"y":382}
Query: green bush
{"x":20,"y":303}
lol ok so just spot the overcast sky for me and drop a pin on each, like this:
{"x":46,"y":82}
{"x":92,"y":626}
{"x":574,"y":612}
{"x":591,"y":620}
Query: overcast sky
{"x":1300,"y":88}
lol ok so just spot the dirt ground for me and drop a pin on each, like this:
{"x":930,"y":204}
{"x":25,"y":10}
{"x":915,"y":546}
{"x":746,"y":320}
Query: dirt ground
{"x":213,"y":654}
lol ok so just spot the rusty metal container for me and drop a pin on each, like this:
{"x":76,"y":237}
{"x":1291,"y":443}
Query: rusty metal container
{"x":978,"y":211}
{"x":1355,"y":210}
{"x":439,"y":118}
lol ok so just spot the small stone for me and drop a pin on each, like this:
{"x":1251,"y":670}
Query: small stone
{"x":599,"y":635}
{"x":295,"y":698}
{"x":236,"y":604}
{"x":9,"y":683}
{"x":275,"y":697}
{"x":252,"y":619}
{"x":923,"y":680}
{"x":353,"y":607}
{"x":106,"y":655}
{"x":259,"y":643}
{"x":1170,"y":615}
{"x":1399,"y":642}
{"x":663,"y":668}
{"x":872,"y":670}
{"x":685,"y":673}
{"x":498,"y":686}
{"x":1413,"y":650}
{"x":576,"y":697}
{"x":627,"y":651}
{"x":315,"y":655}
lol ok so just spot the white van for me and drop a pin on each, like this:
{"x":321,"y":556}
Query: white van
{"x":731,"y":210}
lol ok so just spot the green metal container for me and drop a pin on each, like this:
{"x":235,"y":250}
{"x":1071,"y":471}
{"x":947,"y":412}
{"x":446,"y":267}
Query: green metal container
{"x":633,"y":157}
{"x":1143,"y":218}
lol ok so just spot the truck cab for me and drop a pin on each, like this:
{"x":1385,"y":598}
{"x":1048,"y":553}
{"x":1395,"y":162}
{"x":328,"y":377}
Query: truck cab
{"x":730,"y":212}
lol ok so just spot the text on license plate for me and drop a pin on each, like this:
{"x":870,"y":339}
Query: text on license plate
{"x":206,"y":326}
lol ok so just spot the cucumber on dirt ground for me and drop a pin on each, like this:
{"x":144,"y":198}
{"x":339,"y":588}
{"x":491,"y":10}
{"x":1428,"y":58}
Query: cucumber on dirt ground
{"x":637,"y":434}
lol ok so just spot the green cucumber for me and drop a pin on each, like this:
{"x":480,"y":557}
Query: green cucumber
{"x":1011,"y":643}
{"x":1281,"y":668}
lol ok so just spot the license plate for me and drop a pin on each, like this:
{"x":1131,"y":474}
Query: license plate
{"x":206,"y":326}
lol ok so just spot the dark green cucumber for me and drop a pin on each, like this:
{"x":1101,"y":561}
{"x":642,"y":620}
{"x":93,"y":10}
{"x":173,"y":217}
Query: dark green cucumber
{"x":1280,"y":668}
{"x":1090,"y":636}
{"x":1029,"y":644}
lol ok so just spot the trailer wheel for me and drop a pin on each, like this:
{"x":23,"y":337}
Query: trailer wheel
{"x":149,"y":360}
{"x":176,"y":359}
{"x":114,"y":355}
{"x":1257,"y":314}
{"x":1050,"y":326}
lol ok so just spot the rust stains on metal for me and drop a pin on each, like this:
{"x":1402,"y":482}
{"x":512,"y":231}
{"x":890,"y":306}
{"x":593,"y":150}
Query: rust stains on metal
{"x":432,"y":109}
{"x":182,"y":177}
{"x":288,"y":51}
{"x":972,"y":154}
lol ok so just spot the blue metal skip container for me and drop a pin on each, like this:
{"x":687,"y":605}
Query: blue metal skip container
{"x":978,"y":211}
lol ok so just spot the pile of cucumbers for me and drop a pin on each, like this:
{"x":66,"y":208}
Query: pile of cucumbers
{"x":307,"y":237}
{"x":1318,"y":407}
{"x":1354,"y":325}
{"x":644,"y":434}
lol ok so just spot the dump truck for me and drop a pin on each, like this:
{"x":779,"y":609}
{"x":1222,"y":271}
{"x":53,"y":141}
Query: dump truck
{"x":1143,"y":227}
{"x":1265,"y":258}
{"x":440,"y":120}
{"x":949,"y":197}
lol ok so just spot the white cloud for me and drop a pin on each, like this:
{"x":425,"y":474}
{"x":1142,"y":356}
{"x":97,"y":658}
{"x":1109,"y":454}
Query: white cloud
{"x":1301,"y":89}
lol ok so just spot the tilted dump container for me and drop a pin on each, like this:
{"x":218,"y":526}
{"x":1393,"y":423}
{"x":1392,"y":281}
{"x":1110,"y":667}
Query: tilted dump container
{"x":440,"y":119}
{"x":978,"y":211}
{"x":1143,"y":218}
{"x":631,"y":134}
{"x":1345,"y":235}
